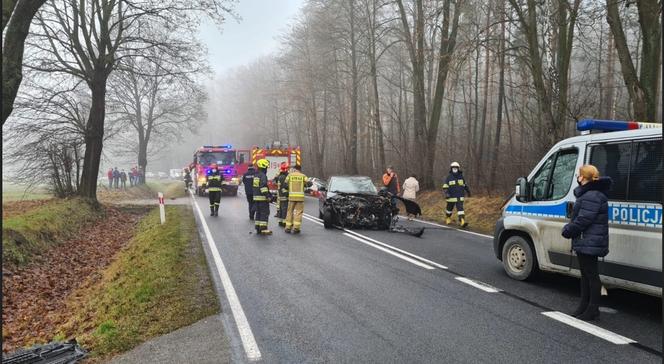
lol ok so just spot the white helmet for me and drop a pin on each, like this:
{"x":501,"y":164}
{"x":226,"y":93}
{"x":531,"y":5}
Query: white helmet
{"x":455,"y":164}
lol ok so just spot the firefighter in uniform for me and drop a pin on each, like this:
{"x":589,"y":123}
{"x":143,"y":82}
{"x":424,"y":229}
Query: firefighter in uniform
{"x":213,"y":182}
{"x":282,"y":193}
{"x":296,"y":181}
{"x":262,"y":198}
{"x":248,"y":182}
{"x":455,"y":189}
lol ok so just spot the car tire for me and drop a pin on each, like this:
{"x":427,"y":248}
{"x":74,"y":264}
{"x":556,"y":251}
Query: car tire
{"x":320,"y":215}
{"x":328,"y":219}
{"x":519,"y":258}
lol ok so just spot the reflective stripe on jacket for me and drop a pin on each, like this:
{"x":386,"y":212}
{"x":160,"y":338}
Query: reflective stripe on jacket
{"x":295,"y":182}
{"x":282,"y":186}
{"x":213,"y":181}
{"x":261,"y":192}
{"x":455,"y":187}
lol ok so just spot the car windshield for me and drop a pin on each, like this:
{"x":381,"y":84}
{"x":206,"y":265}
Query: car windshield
{"x":352,"y":185}
{"x":221,"y":158}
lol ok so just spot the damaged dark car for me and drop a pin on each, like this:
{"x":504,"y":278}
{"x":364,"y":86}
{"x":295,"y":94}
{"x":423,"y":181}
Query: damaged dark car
{"x":353,"y":202}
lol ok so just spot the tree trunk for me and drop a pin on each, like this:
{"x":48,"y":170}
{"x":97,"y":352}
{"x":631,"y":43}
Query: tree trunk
{"x":353,"y":92}
{"x":12,"y":50}
{"x":501,"y":97}
{"x":94,"y":136}
{"x":487,"y":65}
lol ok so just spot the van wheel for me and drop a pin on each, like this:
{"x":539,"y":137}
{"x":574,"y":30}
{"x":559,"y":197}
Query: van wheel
{"x":519,"y":259}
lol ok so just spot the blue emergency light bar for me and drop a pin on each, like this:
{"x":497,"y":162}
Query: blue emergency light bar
{"x":612,"y":125}
{"x":219,"y":146}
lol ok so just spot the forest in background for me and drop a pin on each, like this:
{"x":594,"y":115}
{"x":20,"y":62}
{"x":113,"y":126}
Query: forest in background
{"x":362,"y":84}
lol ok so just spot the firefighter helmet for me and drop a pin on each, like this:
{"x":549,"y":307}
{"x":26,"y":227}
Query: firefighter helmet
{"x":263,"y":163}
{"x":284,"y":167}
{"x":455,"y":164}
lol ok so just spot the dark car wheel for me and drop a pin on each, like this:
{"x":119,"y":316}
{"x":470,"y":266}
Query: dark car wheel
{"x":320,"y":214}
{"x":328,"y":219}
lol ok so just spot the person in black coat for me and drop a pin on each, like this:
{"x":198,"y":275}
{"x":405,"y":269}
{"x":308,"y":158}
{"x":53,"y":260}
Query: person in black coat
{"x":589,"y":231}
{"x":247,"y":181}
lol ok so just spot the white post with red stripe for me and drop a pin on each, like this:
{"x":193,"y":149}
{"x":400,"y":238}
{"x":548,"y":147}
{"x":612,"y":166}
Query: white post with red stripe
{"x":162,"y":211}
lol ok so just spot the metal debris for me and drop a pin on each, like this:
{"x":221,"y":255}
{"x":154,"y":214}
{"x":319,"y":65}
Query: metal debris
{"x":51,"y":353}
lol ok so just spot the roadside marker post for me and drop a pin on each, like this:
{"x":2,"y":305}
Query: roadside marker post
{"x":162,"y":211}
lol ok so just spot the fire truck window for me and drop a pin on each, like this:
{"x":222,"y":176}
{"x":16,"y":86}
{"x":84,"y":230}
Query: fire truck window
{"x":244,"y":157}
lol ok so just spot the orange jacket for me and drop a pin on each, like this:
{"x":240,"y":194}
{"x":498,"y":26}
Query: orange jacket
{"x":387,"y":179}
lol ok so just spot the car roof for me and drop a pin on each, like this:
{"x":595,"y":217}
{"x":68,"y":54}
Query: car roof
{"x":345,"y":176}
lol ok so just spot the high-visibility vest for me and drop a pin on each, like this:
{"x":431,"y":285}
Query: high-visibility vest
{"x":260,"y":187}
{"x":295,"y":182}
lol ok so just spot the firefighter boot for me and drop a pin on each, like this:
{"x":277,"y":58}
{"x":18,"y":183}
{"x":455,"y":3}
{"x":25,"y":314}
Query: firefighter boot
{"x":462,"y":222}
{"x":448,"y":219}
{"x":216,"y":210}
{"x":287,"y":230}
{"x":266,"y":232}
{"x":296,"y":231}
{"x":211,"y":210}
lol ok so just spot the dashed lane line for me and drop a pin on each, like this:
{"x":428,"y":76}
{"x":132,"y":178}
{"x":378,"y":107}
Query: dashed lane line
{"x":589,"y":328}
{"x":477,"y":284}
{"x":388,"y":251}
{"x":246,"y":335}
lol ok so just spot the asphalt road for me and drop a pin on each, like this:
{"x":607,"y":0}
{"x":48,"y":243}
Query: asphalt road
{"x":381,"y":297}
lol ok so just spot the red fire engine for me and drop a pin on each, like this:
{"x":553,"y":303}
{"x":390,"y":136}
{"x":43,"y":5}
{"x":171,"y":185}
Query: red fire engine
{"x":276,"y":153}
{"x":232,"y":164}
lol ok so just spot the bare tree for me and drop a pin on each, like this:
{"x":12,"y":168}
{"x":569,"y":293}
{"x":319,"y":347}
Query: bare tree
{"x":17,"y":16}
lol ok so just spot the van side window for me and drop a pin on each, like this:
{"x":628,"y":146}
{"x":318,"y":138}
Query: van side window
{"x":541,"y":179}
{"x":645,"y":177}
{"x":553,"y":180}
{"x":613,"y":160}
{"x":563,"y":174}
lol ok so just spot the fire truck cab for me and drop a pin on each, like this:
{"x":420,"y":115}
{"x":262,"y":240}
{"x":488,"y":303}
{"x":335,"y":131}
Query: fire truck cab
{"x":276,"y":153}
{"x":232,"y":164}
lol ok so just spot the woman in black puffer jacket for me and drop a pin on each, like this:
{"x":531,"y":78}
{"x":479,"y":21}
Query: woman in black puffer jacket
{"x":589,"y":231}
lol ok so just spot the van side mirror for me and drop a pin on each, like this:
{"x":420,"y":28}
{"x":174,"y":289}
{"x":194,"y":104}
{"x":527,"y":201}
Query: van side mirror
{"x":521,"y":189}
{"x":569,"y":209}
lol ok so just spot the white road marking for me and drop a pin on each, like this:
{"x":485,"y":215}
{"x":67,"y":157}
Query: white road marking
{"x":246,"y":335}
{"x":450,"y":228}
{"x":480,"y":285}
{"x":312,"y":220}
{"x":400,"y":256}
{"x":427,"y":261}
{"x":589,"y":328}
{"x":424,"y":260}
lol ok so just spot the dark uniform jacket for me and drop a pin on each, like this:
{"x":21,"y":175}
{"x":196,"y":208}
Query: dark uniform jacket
{"x":260,"y":189}
{"x":282,"y":186}
{"x":248,"y":182}
{"x":455,"y":187}
{"x":214,"y":180}
{"x":589,"y":228}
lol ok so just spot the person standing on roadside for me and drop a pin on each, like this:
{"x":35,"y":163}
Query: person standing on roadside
{"x":248,"y":181}
{"x":455,"y":189}
{"x":109,"y":174}
{"x":410,"y":188}
{"x":391,"y":182}
{"x":116,"y":178}
{"x":589,"y":231}
{"x":123,"y":179}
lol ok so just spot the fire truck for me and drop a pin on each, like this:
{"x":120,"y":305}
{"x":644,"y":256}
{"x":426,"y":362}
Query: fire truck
{"x":232,"y":164}
{"x":276,"y":153}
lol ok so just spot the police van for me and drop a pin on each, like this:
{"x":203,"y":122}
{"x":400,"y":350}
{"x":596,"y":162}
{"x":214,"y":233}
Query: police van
{"x":528,"y":237}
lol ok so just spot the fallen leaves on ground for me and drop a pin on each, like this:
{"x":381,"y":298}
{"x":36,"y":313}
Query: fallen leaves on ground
{"x":33,"y":296}
{"x":15,"y":208}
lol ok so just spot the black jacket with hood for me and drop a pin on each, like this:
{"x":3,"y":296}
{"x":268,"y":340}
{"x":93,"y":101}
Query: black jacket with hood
{"x":589,"y":228}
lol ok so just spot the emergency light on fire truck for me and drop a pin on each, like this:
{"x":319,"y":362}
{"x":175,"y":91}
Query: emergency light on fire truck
{"x":588,"y":125}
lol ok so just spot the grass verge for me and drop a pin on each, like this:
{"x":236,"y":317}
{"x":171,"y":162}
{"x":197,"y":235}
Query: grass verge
{"x":158,"y":283}
{"x":16,"y":192}
{"x":29,"y":233}
{"x":482,"y":212}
